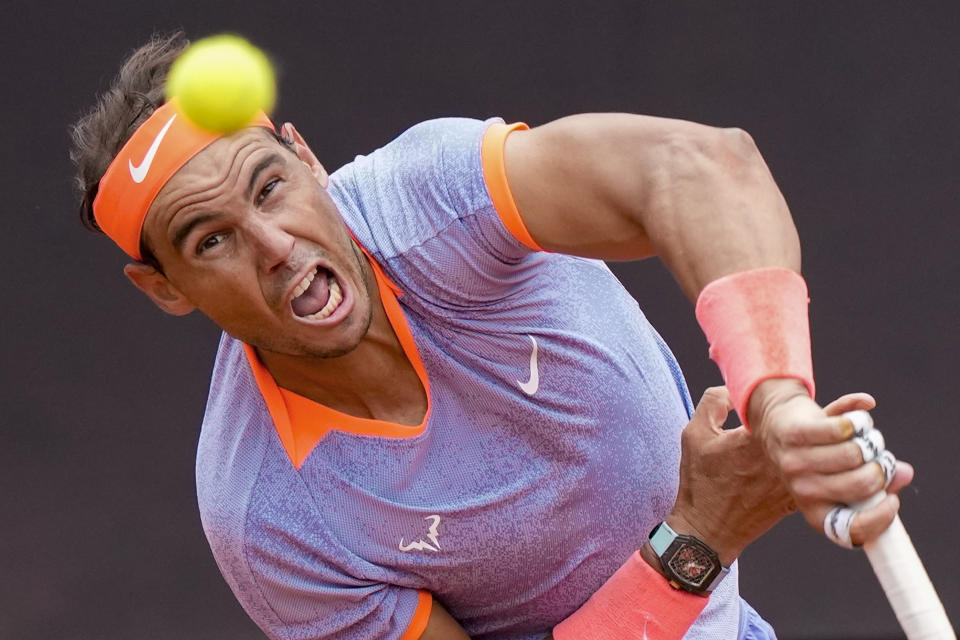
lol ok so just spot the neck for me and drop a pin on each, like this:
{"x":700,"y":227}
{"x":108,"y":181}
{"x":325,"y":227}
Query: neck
{"x":375,"y":380}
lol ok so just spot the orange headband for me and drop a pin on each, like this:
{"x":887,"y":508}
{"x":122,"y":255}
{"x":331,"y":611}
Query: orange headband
{"x":155,"y":151}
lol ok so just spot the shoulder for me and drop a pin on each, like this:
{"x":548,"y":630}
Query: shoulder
{"x":440,"y":129}
{"x":234,"y":441}
{"x":431,"y":143}
{"x":406,"y":192}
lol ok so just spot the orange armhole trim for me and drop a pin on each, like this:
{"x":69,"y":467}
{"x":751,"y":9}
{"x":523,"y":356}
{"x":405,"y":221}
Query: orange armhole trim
{"x":495,"y":177}
{"x":418,"y":624}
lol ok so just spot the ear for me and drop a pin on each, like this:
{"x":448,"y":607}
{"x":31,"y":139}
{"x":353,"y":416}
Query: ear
{"x":158,"y":288}
{"x":303,"y":152}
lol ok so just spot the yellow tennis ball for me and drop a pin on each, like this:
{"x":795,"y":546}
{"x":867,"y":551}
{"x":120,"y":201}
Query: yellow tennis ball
{"x":220,"y":83}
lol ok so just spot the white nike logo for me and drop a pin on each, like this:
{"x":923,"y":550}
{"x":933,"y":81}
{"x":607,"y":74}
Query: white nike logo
{"x":420,"y":545}
{"x":530,"y":386}
{"x":140,"y":173}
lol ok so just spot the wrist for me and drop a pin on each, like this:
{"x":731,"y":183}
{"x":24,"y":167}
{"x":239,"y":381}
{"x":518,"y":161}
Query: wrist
{"x":650,"y":557}
{"x":756,"y":323}
{"x":727,"y":549}
{"x":770,"y":393}
{"x":686,"y":561}
{"x":633,"y":598}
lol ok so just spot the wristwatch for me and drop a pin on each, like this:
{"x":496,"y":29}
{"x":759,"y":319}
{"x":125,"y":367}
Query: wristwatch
{"x":687,"y":561}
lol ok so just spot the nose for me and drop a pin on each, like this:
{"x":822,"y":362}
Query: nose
{"x":272,"y":243}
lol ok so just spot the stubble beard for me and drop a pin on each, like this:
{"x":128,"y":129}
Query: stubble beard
{"x":296,"y":348}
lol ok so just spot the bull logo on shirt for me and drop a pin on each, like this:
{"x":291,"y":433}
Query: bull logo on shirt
{"x":421,"y":545}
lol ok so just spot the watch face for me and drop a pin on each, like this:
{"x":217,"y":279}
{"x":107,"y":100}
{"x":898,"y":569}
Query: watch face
{"x":693,"y":564}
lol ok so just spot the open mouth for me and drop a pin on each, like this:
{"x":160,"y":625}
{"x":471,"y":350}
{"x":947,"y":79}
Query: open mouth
{"x":317,"y":295}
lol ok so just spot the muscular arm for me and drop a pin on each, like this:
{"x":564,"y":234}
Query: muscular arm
{"x":618,"y":187}
{"x":622,"y":187}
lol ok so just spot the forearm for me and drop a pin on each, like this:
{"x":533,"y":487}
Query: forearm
{"x":717,"y":211}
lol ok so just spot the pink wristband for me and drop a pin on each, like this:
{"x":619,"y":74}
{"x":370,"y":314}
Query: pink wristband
{"x":636,"y":602}
{"x":757,"y":326}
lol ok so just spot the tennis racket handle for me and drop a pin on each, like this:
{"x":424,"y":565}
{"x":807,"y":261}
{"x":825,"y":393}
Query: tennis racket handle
{"x":908,"y":588}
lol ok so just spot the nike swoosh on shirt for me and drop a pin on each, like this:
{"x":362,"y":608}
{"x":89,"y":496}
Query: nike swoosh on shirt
{"x":139,"y":173}
{"x":530,"y":386}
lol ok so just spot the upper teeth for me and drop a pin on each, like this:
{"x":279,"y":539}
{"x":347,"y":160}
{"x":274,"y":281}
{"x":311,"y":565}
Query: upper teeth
{"x":333,"y":301}
{"x":307,"y":279}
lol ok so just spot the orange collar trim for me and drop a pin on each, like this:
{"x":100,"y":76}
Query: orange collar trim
{"x":301,"y":422}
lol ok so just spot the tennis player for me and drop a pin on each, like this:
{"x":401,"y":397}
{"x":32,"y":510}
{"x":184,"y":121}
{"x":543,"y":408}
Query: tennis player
{"x":434,"y":411}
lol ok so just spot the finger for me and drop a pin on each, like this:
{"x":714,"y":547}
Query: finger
{"x":837,"y":524}
{"x":850,"y":402}
{"x":870,"y":523}
{"x":846,"y":487}
{"x":847,"y":527}
{"x":902,"y":476}
{"x":713,"y":409}
{"x":825,"y":459}
{"x":830,"y":430}
{"x":888,"y":466}
{"x":860,"y":421}
{"x":871,"y":444}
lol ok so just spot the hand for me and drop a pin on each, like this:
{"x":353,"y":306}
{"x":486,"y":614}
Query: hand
{"x":730,"y":492}
{"x":817,"y":460}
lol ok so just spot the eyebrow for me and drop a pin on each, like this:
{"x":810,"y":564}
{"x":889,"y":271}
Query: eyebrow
{"x":273,"y":158}
{"x":181,"y":235}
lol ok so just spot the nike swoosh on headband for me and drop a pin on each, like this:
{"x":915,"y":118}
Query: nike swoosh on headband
{"x":139,"y":173}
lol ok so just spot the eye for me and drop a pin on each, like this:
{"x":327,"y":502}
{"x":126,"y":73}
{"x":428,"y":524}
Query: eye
{"x":209,"y":242}
{"x":267,"y":189}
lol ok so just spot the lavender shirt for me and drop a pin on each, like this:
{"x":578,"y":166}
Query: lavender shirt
{"x":528,"y":487}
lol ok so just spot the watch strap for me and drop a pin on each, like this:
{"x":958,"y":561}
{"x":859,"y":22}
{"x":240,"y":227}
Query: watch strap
{"x":661,"y":537}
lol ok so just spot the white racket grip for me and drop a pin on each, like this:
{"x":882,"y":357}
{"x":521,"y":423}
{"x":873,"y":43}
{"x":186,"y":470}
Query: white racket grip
{"x":905,"y":581}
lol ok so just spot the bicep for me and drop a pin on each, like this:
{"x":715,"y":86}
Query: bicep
{"x":619,"y":186}
{"x":580,"y":182}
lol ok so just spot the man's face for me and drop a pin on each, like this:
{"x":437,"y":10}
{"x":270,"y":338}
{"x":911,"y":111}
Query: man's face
{"x":247,"y":233}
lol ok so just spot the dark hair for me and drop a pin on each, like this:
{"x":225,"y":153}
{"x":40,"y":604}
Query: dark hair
{"x":134,"y":95}
{"x":136,"y":92}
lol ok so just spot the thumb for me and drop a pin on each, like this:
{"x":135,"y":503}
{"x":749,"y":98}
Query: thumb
{"x":850,"y":402}
{"x":712,"y":411}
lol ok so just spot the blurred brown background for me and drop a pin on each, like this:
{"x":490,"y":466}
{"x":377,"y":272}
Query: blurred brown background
{"x":854,"y":105}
